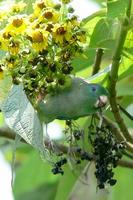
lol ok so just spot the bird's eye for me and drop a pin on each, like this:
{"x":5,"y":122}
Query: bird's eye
{"x":93,"y":88}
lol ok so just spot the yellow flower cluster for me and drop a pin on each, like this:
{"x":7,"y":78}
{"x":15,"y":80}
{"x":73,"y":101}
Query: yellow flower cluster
{"x":40,"y":45}
{"x":48,"y":20}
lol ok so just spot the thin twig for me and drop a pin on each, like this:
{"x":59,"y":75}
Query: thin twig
{"x":125,"y":112}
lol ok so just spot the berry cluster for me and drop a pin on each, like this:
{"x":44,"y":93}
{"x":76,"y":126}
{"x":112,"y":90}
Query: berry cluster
{"x":74,"y":132}
{"x":107,"y":152}
{"x":82,"y":155}
{"x":57,"y":169}
{"x":76,"y":152}
{"x":41,"y":76}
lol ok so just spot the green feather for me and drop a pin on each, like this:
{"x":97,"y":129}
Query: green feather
{"x":71,"y":103}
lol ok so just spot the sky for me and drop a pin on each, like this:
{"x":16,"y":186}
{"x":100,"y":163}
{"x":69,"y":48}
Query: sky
{"x":83,"y":8}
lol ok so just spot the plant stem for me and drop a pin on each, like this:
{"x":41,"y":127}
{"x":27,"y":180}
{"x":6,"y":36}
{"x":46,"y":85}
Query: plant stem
{"x":113,"y":76}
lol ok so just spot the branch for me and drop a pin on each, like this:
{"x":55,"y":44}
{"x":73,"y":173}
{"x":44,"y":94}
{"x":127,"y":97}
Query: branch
{"x":125,"y":163}
{"x":128,"y":154}
{"x":8,"y":133}
{"x":125,"y":112}
{"x":97,"y":62}
{"x":113,"y":76}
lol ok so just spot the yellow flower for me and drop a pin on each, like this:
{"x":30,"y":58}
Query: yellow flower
{"x":49,"y":27}
{"x":32,"y":18}
{"x":49,"y":15}
{"x":62,"y":33}
{"x":10,"y":63}
{"x":3,"y":42}
{"x":14,"y":47}
{"x":38,"y":38}
{"x":81,"y":36}
{"x":17,"y":25}
{"x":74,"y":21}
{"x":39,"y":5}
{"x":18,"y":7}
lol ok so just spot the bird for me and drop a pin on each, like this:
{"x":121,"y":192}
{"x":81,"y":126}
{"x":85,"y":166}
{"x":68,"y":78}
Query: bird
{"x":79,"y":100}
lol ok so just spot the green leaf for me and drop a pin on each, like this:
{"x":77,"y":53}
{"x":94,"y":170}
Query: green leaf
{"x":100,"y":2}
{"x":116,"y":8}
{"x":127,"y":72}
{"x":83,"y":62}
{"x":129,"y":39}
{"x":101,"y":32}
{"x":21,"y":117}
{"x":100,"y":13}
{"x":1,"y":119}
{"x":124,"y":178}
{"x":5,"y":86}
{"x":66,"y":184}
{"x":86,"y":59}
{"x":125,"y":68}
{"x":31,"y":175}
{"x":100,"y":76}
{"x":128,"y":46}
{"x":125,"y":86}
{"x":46,"y":191}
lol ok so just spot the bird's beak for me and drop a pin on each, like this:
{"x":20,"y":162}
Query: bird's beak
{"x":101,"y":102}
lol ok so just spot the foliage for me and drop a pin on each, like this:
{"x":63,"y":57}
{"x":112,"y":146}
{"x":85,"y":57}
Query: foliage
{"x":43,"y":45}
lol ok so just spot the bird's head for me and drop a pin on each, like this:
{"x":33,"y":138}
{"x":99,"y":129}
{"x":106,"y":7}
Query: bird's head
{"x":100,"y":94}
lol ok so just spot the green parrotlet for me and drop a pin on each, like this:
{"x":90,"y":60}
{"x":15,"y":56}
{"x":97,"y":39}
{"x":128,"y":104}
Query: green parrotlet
{"x":79,"y":100}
